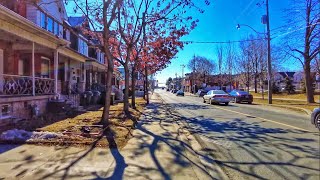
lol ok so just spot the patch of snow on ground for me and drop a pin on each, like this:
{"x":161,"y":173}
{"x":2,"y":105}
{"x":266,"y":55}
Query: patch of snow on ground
{"x":22,"y":135}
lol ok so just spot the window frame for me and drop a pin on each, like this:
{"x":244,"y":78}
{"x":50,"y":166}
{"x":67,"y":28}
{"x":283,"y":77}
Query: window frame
{"x":48,"y":74}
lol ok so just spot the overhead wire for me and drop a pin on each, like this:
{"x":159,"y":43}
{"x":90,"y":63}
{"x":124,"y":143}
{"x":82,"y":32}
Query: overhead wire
{"x":221,"y":42}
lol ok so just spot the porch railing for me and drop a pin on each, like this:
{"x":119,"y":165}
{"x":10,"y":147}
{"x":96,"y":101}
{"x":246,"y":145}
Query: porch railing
{"x":22,"y":85}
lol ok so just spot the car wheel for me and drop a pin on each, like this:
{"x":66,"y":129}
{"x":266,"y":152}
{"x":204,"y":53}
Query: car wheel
{"x":226,"y":103}
{"x":250,"y":102}
{"x":317,"y":121}
{"x":204,"y":101}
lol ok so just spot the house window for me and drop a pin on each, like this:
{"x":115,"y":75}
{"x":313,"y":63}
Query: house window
{"x":43,"y":20}
{"x":102,"y":58}
{"x":56,"y":28}
{"x":45,"y":67}
{"x":5,"y":110}
{"x":49,"y":24}
{"x":83,"y":47}
{"x":21,"y":67}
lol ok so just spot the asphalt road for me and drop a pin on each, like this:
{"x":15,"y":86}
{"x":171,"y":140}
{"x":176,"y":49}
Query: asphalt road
{"x":252,"y":141}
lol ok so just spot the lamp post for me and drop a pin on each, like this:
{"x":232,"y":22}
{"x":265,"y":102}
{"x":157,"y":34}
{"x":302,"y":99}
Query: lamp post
{"x":265,"y":20}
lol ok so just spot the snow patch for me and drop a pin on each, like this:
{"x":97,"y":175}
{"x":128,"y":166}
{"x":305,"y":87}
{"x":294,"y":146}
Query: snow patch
{"x":22,"y":135}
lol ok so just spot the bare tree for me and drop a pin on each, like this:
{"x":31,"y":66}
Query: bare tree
{"x":202,"y":66}
{"x":303,"y":43}
{"x":220,"y":57}
{"x":229,"y":63}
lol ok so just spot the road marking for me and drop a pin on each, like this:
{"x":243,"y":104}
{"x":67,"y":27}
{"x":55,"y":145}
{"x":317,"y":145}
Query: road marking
{"x":273,"y":121}
{"x":263,"y":119}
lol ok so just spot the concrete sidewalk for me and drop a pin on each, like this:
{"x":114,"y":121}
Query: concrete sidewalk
{"x":160,"y":149}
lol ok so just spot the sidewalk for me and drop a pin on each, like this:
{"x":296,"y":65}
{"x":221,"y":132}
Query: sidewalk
{"x":160,"y":149}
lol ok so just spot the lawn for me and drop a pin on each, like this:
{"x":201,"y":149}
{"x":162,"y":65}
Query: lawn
{"x":119,"y":125}
{"x":289,"y":104}
{"x":300,"y":96}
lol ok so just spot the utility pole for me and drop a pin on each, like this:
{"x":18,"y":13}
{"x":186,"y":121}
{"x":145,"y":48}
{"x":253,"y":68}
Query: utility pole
{"x":193,"y":74}
{"x":182,"y":66}
{"x":269,"y":57}
{"x":176,"y":84}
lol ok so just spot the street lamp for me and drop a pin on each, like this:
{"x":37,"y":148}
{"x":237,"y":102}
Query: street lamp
{"x":265,"y":20}
{"x":239,"y":25}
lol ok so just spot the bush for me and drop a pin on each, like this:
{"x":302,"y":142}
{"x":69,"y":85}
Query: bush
{"x":290,"y":88}
{"x":275,"y":88}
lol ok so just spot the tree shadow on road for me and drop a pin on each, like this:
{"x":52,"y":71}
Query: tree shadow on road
{"x":279,"y":151}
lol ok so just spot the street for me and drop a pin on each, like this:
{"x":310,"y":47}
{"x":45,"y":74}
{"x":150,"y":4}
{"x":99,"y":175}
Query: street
{"x":252,"y":141}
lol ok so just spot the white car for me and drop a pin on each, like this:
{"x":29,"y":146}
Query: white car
{"x":217,"y":96}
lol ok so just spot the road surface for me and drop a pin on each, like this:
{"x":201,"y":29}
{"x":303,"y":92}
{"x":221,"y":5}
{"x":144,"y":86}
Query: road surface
{"x":252,"y":141}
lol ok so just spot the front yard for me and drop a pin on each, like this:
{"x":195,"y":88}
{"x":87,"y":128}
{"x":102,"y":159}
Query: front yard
{"x":83,"y":129}
{"x":298,"y":96}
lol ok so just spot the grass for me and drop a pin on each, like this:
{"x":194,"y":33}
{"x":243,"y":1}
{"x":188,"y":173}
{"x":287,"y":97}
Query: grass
{"x":299,"y":96}
{"x":119,"y":124}
{"x":289,"y":104}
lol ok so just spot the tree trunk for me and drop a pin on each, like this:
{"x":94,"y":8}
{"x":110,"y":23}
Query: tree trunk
{"x":262,"y":91}
{"x":308,"y":84}
{"x":147,"y":84}
{"x":144,"y":89}
{"x":126,"y":89}
{"x":255,"y":84}
{"x":133,"y":87}
{"x":105,"y":115}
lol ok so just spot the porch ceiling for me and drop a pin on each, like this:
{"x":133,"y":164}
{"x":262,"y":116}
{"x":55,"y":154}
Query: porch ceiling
{"x":94,"y":65}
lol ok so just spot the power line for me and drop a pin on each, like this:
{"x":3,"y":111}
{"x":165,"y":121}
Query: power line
{"x":220,"y":42}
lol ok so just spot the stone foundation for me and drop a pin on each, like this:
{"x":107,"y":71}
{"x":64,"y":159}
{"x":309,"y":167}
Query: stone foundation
{"x":20,"y":107}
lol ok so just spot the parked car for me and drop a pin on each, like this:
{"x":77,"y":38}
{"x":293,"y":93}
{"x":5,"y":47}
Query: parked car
{"x":180,"y":93}
{"x":217,"y":96}
{"x":315,"y":117}
{"x":174,"y":91}
{"x":168,"y":89}
{"x":241,"y":96}
{"x":201,"y":92}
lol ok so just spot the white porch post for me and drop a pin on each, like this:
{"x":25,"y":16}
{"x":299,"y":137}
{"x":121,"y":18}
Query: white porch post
{"x":56,"y":59}
{"x":33,"y":73}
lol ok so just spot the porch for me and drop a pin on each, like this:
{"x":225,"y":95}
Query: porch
{"x":31,"y":74}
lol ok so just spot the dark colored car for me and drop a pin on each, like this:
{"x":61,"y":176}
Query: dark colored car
{"x":315,"y":117}
{"x":180,"y":93}
{"x":241,"y":96}
{"x":201,"y":93}
{"x":174,"y":91}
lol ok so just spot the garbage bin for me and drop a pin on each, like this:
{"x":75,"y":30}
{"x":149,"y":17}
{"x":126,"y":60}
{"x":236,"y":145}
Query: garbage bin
{"x":113,"y":97}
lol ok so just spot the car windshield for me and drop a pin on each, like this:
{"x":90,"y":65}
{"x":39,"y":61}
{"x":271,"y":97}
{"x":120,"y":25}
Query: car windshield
{"x":218,"y":92}
{"x":242,"y":92}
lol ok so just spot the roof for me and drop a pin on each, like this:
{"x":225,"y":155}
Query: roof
{"x":287,"y":74}
{"x":76,"y":21}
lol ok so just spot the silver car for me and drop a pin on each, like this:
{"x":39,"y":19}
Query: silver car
{"x":217,"y":96}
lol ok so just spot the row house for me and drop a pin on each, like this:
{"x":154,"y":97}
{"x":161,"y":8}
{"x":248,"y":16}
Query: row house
{"x":40,"y":57}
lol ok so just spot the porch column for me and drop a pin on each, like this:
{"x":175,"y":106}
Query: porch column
{"x":56,"y":59}
{"x":33,"y":72}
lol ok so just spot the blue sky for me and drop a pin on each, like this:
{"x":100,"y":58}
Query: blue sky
{"x":218,"y":23}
